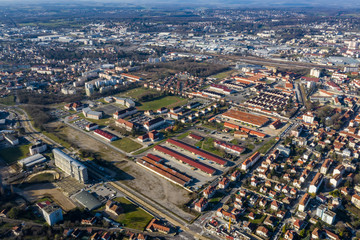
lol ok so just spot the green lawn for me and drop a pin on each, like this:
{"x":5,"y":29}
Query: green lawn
{"x":147,"y":148}
{"x":132,"y":216}
{"x":14,"y":154}
{"x":223,"y":75}
{"x":126,"y":144}
{"x":258,"y":220}
{"x":184,"y":135}
{"x":9,"y":100}
{"x":168,"y":101}
{"x":55,"y":138}
{"x":44,"y":177}
{"x":208,"y":145}
{"x":264,"y":148}
{"x":136,"y":92}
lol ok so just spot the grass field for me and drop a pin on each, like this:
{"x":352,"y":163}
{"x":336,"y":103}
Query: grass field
{"x":132,"y":216}
{"x":9,"y":100}
{"x":184,"y":135}
{"x":14,"y":154}
{"x":147,"y":148}
{"x":169,"y":101}
{"x":136,"y":92}
{"x":223,"y":75}
{"x":126,"y":144}
{"x":208,"y":145}
{"x":55,"y":138}
{"x":264,"y":148}
{"x":44,"y":177}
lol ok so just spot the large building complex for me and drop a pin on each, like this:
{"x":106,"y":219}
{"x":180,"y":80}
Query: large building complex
{"x":245,"y":118}
{"x":70,"y":166}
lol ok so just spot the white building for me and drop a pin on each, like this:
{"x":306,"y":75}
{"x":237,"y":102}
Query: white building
{"x":32,"y":160}
{"x":88,"y":113}
{"x":316,"y":183}
{"x":12,"y":139}
{"x":154,"y":123}
{"x":52,"y":214}
{"x":308,"y":118}
{"x":326,"y":215}
{"x":38,"y":147}
{"x":70,"y":166}
{"x":315,"y":72}
{"x":304,"y":202}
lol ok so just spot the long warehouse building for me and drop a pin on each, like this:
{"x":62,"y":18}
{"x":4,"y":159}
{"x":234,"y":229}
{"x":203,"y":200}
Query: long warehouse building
{"x":164,"y":171}
{"x":70,"y":166}
{"x":244,"y":117}
{"x":197,"y":151}
{"x":182,"y":158}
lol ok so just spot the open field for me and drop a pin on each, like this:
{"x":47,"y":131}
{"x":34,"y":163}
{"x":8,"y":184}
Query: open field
{"x":9,"y":100}
{"x":136,"y":92}
{"x":263,"y":149}
{"x":147,"y":148}
{"x":57,"y":138}
{"x":82,"y":141}
{"x":126,"y":144}
{"x":14,"y":154}
{"x":208,"y":145}
{"x":132,"y":216}
{"x":156,"y":188}
{"x":223,"y":75}
{"x":169,"y":101}
{"x":44,"y":177}
{"x":37,"y":191}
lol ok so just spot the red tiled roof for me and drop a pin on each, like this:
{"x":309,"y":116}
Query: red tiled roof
{"x":203,"y":167}
{"x":249,"y":118}
{"x":104,"y":134}
{"x":197,"y":151}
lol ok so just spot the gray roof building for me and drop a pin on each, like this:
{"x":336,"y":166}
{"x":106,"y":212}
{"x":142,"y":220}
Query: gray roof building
{"x":87,"y":200}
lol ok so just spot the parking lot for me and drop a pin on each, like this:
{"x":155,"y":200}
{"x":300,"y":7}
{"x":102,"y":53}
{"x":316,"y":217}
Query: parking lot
{"x":203,"y":102}
{"x":81,"y":123}
{"x":69,"y":185}
{"x":214,"y":134}
{"x":140,"y":119}
{"x":58,"y":113}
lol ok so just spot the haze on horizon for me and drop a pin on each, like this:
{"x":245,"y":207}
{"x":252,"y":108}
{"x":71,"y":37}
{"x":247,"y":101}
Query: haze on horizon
{"x":197,"y":3}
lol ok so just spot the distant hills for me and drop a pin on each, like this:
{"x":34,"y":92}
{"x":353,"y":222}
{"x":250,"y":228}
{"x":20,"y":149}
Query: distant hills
{"x":197,"y":3}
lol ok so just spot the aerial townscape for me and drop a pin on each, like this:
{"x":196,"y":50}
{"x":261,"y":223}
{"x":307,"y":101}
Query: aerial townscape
{"x":204,"y":120}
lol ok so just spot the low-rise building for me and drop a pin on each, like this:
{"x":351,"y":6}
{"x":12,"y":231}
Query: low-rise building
{"x":88,"y":113}
{"x":38,"y":147}
{"x":201,"y":205}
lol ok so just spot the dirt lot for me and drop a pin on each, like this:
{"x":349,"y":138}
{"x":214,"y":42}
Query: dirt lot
{"x":156,"y":188}
{"x":82,"y":141}
{"x":37,"y":191}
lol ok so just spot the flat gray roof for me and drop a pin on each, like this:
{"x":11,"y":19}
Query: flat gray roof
{"x":87,"y":200}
